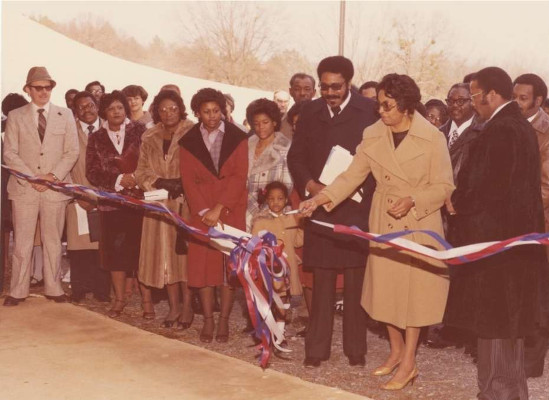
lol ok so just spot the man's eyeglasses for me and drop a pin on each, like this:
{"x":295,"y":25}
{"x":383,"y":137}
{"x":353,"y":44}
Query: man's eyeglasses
{"x":433,"y":117}
{"x":334,"y":86}
{"x":86,"y":107}
{"x":457,"y":102}
{"x":40,"y":88}
{"x":96,"y":91}
{"x":385,"y":106}
{"x":165,"y":110}
{"x":475,"y":94}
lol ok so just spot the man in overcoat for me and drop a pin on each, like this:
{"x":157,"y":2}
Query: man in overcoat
{"x":530,"y":91}
{"x":497,"y":198}
{"x":337,"y":118}
{"x":40,"y":141}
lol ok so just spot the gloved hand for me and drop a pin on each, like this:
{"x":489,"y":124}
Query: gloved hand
{"x":173,"y":186}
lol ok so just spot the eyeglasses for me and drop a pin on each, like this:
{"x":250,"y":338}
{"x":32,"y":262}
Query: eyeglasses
{"x":385,"y":106}
{"x":85,"y":107}
{"x":96,"y":91}
{"x":433,"y":117}
{"x":457,"y":102}
{"x":165,"y":110}
{"x":475,"y":94}
{"x":40,"y":88}
{"x":334,"y":86}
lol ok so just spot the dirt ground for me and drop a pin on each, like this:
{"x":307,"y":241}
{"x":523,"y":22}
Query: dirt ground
{"x":443,"y":374}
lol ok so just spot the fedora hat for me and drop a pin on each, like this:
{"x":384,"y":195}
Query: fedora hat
{"x":38,"y":74}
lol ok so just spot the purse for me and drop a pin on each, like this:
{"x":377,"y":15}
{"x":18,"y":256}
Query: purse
{"x":94,"y":225}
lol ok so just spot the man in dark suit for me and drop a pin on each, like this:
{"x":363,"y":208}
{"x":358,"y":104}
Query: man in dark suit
{"x":498,"y":197}
{"x":337,"y":118}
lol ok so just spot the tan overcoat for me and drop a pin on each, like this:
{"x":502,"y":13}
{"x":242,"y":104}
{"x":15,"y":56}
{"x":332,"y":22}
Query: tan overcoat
{"x":158,"y":263}
{"x":78,"y":175}
{"x":400,"y":289}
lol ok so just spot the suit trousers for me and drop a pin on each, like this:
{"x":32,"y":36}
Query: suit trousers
{"x":86,"y":274}
{"x":52,"y":219}
{"x":501,"y":374}
{"x":319,"y":332}
{"x":535,"y":349}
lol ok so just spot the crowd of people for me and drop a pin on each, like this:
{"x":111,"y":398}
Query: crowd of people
{"x":473,"y":168}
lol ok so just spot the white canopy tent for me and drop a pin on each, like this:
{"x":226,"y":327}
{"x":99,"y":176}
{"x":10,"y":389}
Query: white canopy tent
{"x":26,"y":43}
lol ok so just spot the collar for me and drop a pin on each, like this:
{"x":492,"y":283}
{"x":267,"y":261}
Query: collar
{"x":342,"y":106}
{"x":460,"y":129}
{"x":533,"y":116}
{"x":46,"y":108}
{"x":122,"y":127}
{"x":498,"y":110}
{"x":84,"y":125}
{"x":220,"y":128}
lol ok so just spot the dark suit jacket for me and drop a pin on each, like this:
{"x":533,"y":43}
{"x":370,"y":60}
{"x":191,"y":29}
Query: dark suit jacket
{"x":458,"y":152}
{"x":315,"y":136}
{"x":498,"y":197}
{"x":104,"y":164}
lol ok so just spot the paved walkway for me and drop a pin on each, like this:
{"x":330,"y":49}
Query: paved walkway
{"x":54,"y":351}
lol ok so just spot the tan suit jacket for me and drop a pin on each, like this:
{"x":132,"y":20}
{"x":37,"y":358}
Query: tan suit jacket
{"x":24,"y":152}
{"x":541,"y":125}
{"x":78,"y":175}
{"x":400,"y":289}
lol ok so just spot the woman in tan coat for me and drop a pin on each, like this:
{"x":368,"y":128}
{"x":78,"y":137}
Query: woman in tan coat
{"x":161,"y":263}
{"x":409,"y":160}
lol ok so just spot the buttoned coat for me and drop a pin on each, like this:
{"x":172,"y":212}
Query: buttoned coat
{"x":78,"y":175}
{"x":270,"y":166}
{"x":159,"y":265}
{"x":24,"y":152}
{"x":497,"y":198}
{"x":399,"y":288}
{"x":205,"y":187}
{"x":541,"y":125}
{"x":316,"y":134}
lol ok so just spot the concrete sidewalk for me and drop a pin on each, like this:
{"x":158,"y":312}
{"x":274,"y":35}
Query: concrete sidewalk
{"x":52,"y":351}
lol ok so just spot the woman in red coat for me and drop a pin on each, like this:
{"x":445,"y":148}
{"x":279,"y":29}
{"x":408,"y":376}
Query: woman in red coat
{"x":214,"y":169}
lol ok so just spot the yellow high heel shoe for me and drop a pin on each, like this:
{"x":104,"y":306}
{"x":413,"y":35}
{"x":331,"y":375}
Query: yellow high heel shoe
{"x":383,"y":370}
{"x":392,"y":385}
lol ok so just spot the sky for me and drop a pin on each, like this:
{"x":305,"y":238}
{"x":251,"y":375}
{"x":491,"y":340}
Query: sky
{"x":491,"y":32}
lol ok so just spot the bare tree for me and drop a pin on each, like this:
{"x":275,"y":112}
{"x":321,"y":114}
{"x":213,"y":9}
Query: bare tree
{"x":241,"y":36}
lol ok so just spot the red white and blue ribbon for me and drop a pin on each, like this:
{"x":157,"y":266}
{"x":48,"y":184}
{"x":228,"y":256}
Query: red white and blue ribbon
{"x":450,"y":255}
{"x":255,"y":261}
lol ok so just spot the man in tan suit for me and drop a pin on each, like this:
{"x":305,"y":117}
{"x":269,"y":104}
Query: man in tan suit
{"x":41,"y":141}
{"x":86,"y":276}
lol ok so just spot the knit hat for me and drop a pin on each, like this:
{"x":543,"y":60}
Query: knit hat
{"x":38,"y":74}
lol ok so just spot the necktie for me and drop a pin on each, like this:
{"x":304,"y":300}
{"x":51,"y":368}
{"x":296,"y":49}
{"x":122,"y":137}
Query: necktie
{"x":336,"y":111}
{"x":90,"y":129}
{"x":41,"y":124}
{"x":453,"y":137}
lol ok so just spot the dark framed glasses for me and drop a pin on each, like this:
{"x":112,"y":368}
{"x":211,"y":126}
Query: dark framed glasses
{"x":334,"y":86}
{"x":39,"y":88}
{"x":385,"y":106}
{"x":457,"y":102}
{"x":165,"y":110}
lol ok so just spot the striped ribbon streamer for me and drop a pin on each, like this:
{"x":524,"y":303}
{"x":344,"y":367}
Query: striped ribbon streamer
{"x":255,"y":261}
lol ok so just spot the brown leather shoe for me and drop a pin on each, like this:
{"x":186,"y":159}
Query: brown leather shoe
{"x":12,"y":301}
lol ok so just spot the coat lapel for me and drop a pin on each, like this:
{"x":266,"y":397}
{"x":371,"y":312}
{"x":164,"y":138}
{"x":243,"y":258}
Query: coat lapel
{"x":194,"y":143}
{"x":231,"y":139}
{"x":382,"y":151}
{"x":409,"y":149}
{"x":30,"y":125}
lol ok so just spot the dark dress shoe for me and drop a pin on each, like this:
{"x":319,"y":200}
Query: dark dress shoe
{"x":12,"y":301}
{"x":357,"y":360}
{"x":312,"y":362}
{"x":58,"y":299}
